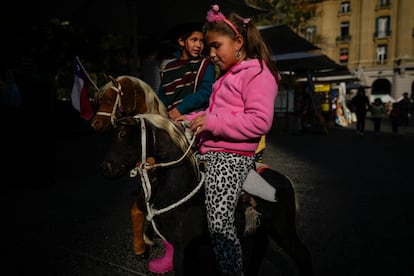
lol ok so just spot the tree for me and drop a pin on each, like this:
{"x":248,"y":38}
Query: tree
{"x":294,"y":13}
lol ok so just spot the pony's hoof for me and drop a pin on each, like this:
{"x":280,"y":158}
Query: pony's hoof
{"x":145,"y":255}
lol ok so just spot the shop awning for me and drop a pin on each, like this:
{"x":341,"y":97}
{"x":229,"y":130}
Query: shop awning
{"x":302,"y":62}
{"x":282,"y":40}
{"x":355,"y":85}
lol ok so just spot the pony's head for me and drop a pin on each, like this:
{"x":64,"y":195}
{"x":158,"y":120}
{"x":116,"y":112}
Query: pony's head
{"x":146,"y":138}
{"x":125,"y":96}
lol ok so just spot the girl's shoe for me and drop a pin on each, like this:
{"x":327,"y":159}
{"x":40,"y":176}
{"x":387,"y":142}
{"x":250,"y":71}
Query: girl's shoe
{"x":164,"y":263}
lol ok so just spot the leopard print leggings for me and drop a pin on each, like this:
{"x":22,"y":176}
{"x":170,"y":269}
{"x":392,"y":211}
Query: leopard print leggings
{"x":225,"y":175}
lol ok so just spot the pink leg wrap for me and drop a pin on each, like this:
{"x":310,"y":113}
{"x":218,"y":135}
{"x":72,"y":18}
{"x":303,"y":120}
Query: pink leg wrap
{"x":164,"y":263}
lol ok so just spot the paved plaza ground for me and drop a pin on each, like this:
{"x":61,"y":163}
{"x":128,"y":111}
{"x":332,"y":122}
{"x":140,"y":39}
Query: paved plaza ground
{"x":61,"y":217}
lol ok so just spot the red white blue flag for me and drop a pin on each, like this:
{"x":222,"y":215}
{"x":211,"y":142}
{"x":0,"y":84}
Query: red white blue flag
{"x":81,"y":85}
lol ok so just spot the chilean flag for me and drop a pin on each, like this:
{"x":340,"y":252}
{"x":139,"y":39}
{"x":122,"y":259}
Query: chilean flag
{"x":81,"y":85}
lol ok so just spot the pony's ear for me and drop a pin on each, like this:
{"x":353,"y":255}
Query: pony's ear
{"x":114,"y":81}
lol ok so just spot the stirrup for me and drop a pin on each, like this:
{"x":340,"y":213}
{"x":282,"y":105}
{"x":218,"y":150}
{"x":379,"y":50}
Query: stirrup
{"x":252,"y":220}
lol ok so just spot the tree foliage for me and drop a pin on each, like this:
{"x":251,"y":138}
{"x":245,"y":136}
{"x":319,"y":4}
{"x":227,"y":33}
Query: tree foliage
{"x":294,"y":13}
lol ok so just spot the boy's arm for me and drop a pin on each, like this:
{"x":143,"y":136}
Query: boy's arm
{"x":200,"y":98}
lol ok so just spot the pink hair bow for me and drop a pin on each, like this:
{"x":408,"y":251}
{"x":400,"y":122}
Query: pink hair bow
{"x":215,"y":15}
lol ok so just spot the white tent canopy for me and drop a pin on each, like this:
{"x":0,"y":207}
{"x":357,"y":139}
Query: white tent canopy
{"x":385,"y":98}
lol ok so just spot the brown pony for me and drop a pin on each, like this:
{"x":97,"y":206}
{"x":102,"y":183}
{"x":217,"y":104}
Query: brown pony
{"x":125,"y":96}
{"x":128,"y":96}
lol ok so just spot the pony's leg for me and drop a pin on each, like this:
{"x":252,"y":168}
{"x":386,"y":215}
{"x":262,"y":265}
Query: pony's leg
{"x":137,"y":218}
{"x":289,"y":241}
{"x":279,"y":220}
{"x":254,"y":248}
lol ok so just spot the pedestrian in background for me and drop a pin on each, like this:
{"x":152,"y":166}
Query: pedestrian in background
{"x":378,"y":112}
{"x":412,"y":105}
{"x":10,"y":96}
{"x":395,"y":115}
{"x":360,"y":103}
{"x":406,"y":108}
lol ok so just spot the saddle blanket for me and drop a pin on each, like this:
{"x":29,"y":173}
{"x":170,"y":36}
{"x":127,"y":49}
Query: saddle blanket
{"x":255,"y":184}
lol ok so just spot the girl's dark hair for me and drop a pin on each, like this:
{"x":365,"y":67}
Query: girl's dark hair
{"x":254,"y":44}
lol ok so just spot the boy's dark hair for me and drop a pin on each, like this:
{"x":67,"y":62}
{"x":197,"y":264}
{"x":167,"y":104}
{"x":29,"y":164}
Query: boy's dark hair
{"x":184,"y":30}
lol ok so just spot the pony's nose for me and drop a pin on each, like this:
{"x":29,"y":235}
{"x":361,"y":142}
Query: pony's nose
{"x":96,"y":124}
{"x":107,"y":169}
{"x":112,"y":169}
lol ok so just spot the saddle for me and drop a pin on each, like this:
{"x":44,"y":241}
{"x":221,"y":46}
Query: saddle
{"x":256,"y":185}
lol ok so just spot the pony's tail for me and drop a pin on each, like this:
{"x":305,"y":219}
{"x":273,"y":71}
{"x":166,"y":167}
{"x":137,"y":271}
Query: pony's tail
{"x":297,"y":206}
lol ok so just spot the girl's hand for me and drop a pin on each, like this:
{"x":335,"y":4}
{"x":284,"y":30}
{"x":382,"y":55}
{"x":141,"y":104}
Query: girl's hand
{"x":198,"y":124}
{"x":180,"y":118}
{"x":181,"y":122}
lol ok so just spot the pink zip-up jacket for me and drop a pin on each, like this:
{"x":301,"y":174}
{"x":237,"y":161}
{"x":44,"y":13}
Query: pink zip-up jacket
{"x":240,"y":111}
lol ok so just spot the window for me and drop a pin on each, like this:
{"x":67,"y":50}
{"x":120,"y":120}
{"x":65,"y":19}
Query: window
{"x":311,"y":33}
{"x":383,"y":27}
{"x":345,"y":7}
{"x":344,"y":30}
{"x":343,"y":55}
{"x":381,"y":53}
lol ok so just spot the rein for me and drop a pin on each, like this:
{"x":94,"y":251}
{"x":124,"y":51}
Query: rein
{"x":117,"y":104}
{"x":146,"y":184}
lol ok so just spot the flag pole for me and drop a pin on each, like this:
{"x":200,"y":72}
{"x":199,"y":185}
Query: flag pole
{"x":86,"y":73}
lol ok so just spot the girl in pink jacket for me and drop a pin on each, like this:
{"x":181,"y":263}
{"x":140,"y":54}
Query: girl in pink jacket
{"x":240,"y":111}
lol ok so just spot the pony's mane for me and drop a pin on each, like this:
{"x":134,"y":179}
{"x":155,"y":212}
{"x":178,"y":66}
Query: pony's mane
{"x":152,"y":101}
{"x":177,"y":135}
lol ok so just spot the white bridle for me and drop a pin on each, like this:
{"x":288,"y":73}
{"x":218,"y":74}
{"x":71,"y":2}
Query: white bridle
{"x":146,"y":184}
{"x":117,"y":104}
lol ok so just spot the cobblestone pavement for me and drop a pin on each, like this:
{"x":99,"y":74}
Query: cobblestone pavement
{"x":354,"y":193}
{"x":355,"y":196}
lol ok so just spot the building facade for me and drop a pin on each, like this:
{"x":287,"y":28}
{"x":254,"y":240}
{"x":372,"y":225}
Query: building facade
{"x":374,"y":38}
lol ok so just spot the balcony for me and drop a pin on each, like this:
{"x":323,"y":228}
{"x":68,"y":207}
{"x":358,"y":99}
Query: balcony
{"x":343,"y":39}
{"x":344,"y":12}
{"x":382,"y":35}
{"x":383,"y":5}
